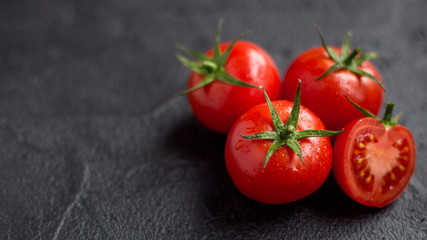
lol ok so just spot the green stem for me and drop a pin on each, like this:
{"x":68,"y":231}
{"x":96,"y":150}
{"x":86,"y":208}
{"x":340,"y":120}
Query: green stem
{"x":213,"y":67}
{"x":347,"y":60}
{"x":287,"y":133}
{"x":387,"y":119}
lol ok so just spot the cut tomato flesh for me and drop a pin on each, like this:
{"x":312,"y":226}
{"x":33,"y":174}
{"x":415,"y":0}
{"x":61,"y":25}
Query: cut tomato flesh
{"x":379,"y":163}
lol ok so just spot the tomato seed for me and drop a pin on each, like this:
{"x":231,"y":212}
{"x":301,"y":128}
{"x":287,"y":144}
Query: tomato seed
{"x":357,"y":152}
{"x":362,"y":172}
{"x":360,"y":160}
{"x":405,"y":149}
{"x":368,"y":179}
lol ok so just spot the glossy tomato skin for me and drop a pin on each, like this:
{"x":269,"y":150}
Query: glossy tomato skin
{"x":285,"y":178}
{"x":218,"y":105}
{"x":325,"y":97}
{"x":373,"y":164}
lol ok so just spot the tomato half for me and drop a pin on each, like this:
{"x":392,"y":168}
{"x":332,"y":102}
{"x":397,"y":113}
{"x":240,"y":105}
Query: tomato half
{"x":218,"y":105}
{"x":373,"y":164}
{"x":284,"y":179}
{"x":325,"y":96}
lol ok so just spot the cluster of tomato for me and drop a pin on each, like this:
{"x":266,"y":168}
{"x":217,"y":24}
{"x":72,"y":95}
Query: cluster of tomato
{"x":278,"y":151}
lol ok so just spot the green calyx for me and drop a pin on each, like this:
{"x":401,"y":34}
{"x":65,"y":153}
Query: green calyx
{"x":349,"y":60}
{"x":211,"y":68}
{"x":387,"y":119}
{"x":287,"y":133}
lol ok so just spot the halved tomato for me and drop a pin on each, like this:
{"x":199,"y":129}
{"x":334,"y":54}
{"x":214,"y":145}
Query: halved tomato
{"x":373,"y":161}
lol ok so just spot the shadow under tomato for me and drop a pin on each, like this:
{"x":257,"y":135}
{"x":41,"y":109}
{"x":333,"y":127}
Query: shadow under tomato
{"x":223,"y":206}
{"x":330,"y":200}
{"x":222,"y":202}
{"x":228,"y":207}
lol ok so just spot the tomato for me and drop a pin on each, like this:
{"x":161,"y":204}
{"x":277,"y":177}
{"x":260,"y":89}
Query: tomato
{"x":373,"y":160}
{"x":218,"y":105}
{"x":295,"y":168}
{"x":357,"y":78}
{"x":225,"y":82}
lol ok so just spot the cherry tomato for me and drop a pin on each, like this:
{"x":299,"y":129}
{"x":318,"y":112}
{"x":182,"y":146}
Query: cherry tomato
{"x":373,"y":161}
{"x":357,"y":78}
{"x":295,"y":168}
{"x":218,"y":105}
{"x":225,"y":81}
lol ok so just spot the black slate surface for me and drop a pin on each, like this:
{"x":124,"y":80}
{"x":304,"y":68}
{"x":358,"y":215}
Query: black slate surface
{"x":90,"y":147}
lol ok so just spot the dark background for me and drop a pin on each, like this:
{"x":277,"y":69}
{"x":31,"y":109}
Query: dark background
{"x":91,"y":148}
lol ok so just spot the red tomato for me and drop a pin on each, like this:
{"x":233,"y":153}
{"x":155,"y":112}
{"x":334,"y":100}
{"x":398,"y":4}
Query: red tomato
{"x":325,"y":96}
{"x":373,"y":163}
{"x":284,"y":179}
{"x":218,"y":105}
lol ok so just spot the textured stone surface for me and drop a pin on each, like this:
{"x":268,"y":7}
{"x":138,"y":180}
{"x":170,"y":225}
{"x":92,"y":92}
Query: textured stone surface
{"x":91,"y":148}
